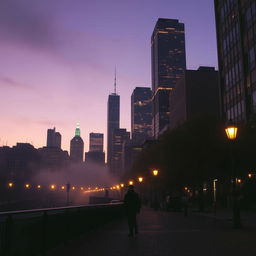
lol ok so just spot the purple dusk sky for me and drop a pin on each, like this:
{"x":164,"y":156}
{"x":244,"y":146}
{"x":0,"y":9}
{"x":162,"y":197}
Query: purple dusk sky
{"x":57,"y":60}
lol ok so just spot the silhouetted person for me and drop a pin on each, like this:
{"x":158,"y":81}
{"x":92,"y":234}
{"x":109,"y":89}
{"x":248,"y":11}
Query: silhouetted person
{"x":132,"y":206}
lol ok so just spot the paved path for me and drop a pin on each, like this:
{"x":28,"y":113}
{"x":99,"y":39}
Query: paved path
{"x":164,"y":233}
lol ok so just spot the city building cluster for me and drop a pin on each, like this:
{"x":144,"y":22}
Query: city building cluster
{"x":176,"y":95}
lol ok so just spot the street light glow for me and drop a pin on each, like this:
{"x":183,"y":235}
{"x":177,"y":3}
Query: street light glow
{"x":27,"y":186}
{"x":155,"y":172}
{"x":122,"y":185}
{"x":53,"y":186}
{"x":10,"y":184}
{"x":140,"y":179}
{"x":231,"y":132}
{"x":38,"y":186}
{"x":130,"y":182}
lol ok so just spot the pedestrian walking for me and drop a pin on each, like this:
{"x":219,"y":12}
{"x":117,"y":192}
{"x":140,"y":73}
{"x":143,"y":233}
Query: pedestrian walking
{"x":132,"y":206}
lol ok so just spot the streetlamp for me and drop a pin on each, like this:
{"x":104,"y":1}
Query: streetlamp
{"x":155,"y":204}
{"x":231,"y":132}
{"x":140,"y":179}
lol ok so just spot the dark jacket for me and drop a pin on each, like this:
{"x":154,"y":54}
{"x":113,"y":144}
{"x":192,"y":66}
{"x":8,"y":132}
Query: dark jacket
{"x":132,"y":202}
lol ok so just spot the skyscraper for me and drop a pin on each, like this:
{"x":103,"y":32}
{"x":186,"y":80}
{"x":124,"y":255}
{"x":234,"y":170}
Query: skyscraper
{"x":77,"y":146}
{"x":113,"y":121}
{"x":141,"y":114}
{"x":168,"y":62}
{"x":53,"y":138}
{"x":236,"y":40}
{"x":196,"y":95}
{"x":96,"y":154}
{"x":96,"y":142}
{"x":120,"y":136}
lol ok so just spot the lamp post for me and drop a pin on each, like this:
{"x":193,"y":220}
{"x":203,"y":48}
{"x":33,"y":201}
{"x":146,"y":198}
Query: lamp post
{"x":231,"y":132}
{"x":155,"y":173}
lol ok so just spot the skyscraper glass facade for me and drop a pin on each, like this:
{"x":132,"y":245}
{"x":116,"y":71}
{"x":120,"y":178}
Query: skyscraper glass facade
{"x":168,"y":60}
{"x":236,"y":37}
{"x":141,"y":114}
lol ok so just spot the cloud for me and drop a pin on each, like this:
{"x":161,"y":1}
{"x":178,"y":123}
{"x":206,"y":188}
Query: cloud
{"x":24,"y":22}
{"x":9,"y":82}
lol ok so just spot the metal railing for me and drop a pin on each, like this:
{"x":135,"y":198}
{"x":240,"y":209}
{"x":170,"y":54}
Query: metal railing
{"x":33,"y":232}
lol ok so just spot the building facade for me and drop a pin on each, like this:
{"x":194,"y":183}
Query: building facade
{"x":53,"y":138}
{"x":96,"y":154}
{"x":96,"y":142}
{"x":120,"y":136}
{"x":236,"y":40}
{"x":77,"y":147}
{"x":168,"y":62}
{"x":196,"y":95}
{"x":141,"y":114}
{"x":113,"y":123}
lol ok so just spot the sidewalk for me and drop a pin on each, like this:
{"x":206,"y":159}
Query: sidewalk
{"x":165,"y":234}
{"x":248,"y":218}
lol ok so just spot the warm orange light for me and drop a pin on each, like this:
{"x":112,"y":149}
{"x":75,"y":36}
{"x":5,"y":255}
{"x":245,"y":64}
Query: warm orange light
{"x":82,"y":188}
{"x":53,"y":186}
{"x":140,"y":179}
{"x":38,"y":186}
{"x":27,"y":186}
{"x":130,"y":182}
{"x":117,"y":186}
{"x":239,"y":181}
{"x":231,"y":132}
{"x":10,"y":184}
{"x":249,"y":175}
{"x":122,"y":185}
{"x":155,"y":172}
{"x":62,"y":187}
{"x":186,"y":188}
{"x":73,"y":188}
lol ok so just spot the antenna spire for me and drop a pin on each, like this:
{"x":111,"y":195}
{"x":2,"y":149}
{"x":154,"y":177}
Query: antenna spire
{"x":115,"y":82}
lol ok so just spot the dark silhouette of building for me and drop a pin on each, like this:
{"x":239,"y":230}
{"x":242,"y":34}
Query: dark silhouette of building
{"x":141,"y":114}
{"x":113,"y":122}
{"x":168,"y":64}
{"x":53,"y":138}
{"x":96,"y":154}
{"x":196,"y":94}
{"x":120,"y":136}
{"x":236,"y":40}
{"x":77,"y":147}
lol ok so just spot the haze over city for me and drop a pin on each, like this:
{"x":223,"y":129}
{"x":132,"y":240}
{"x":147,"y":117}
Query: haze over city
{"x":58,"y":60}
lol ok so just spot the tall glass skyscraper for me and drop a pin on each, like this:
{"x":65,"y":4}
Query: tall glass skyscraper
{"x":168,"y":62}
{"x":141,"y":114}
{"x":113,"y":123}
{"x":236,"y":38}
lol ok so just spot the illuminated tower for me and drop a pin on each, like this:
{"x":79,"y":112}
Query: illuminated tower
{"x":168,"y":63}
{"x":77,"y":146}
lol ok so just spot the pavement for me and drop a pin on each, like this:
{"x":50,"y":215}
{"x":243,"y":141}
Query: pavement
{"x":166,"y":233}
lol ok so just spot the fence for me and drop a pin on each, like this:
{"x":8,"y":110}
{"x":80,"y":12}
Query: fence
{"x":33,"y":232}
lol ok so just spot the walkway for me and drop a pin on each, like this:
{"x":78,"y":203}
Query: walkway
{"x":164,"y":233}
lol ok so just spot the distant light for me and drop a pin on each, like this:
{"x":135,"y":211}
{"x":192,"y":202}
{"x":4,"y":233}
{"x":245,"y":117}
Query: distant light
{"x":155,"y":172}
{"x":130,"y":182}
{"x":82,"y":188}
{"x":122,"y":185}
{"x":27,"y":186}
{"x":73,"y":188}
{"x":53,"y":186}
{"x":140,"y":179}
{"x":239,"y":181}
{"x":38,"y":186}
{"x":117,"y":186}
{"x":62,"y":187}
{"x":185,"y":188}
{"x":10,"y":184}
{"x":249,"y":175}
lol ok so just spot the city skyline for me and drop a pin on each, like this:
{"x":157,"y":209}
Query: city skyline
{"x":58,"y":69}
